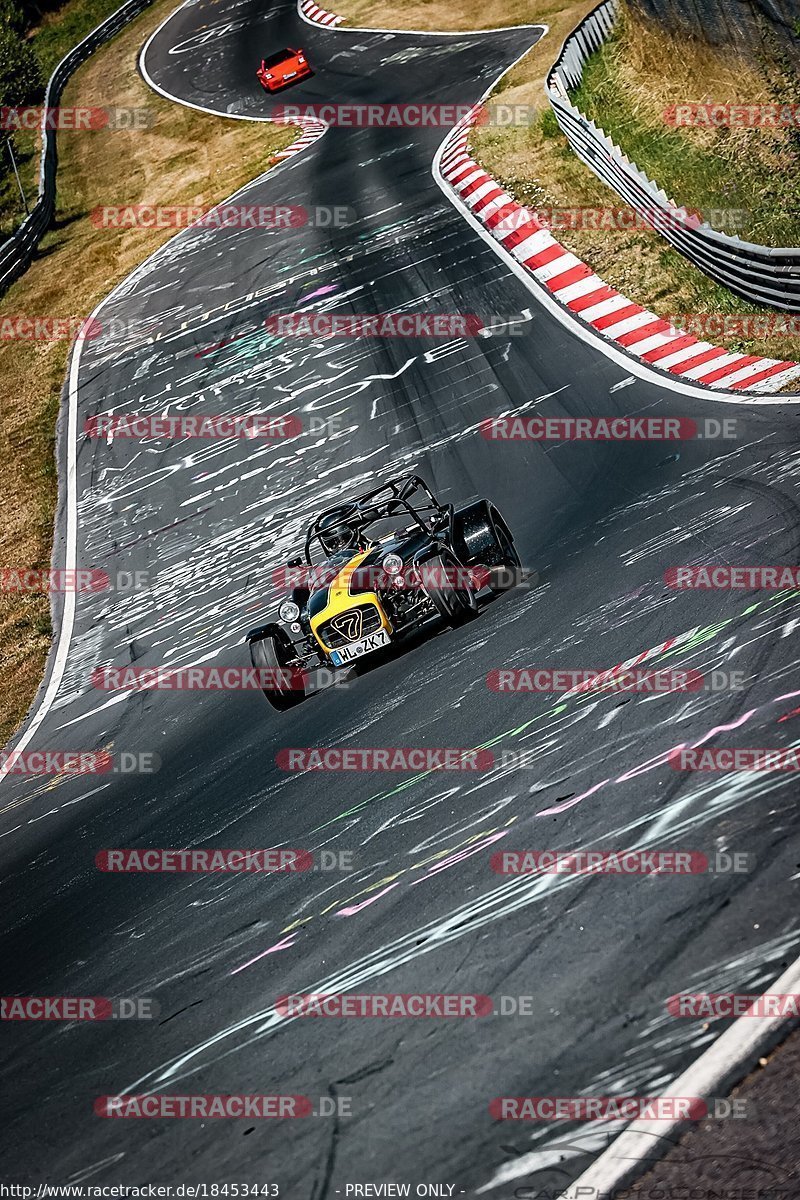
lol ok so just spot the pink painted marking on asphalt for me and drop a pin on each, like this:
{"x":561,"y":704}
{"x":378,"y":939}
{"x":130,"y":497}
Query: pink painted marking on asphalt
{"x":283,"y":944}
{"x":352,"y":909}
{"x":460,"y":855}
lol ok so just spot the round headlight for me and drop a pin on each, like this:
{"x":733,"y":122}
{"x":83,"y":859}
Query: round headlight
{"x":393,"y":564}
{"x":288,"y":611}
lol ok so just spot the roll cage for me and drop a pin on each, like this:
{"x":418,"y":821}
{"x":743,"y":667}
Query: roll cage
{"x":399,"y":495}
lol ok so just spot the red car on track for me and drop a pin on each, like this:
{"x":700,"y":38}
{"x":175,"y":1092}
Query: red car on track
{"x":285,"y":67}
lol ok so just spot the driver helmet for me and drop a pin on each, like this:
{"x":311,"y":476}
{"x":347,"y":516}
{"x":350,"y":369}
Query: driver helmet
{"x":338,"y":532}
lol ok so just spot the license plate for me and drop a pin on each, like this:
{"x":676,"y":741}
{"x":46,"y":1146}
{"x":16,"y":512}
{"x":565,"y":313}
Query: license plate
{"x":356,"y":649}
{"x":291,"y":75}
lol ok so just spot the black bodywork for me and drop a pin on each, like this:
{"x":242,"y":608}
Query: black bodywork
{"x":473,"y":542}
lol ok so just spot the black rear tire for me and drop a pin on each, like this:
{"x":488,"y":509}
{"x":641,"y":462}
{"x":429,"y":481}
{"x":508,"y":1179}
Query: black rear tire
{"x":506,"y":573}
{"x":455,"y":605}
{"x":266,"y":652}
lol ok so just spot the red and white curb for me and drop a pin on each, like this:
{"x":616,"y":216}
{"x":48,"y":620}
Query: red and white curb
{"x":606,"y":311}
{"x":312,"y":132}
{"x":318,"y":16}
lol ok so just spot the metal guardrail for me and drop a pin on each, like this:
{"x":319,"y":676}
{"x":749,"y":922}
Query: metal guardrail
{"x":763,"y":274}
{"x":16,"y":253}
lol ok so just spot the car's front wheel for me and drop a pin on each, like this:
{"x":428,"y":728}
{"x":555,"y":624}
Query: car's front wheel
{"x":448,"y":586}
{"x":286,"y":686}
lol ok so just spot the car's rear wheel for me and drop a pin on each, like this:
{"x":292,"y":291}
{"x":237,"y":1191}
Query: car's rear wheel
{"x":287,"y":683}
{"x":446,"y":584}
{"x":505,"y":572}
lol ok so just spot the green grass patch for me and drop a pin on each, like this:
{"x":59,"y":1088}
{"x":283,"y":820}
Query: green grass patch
{"x":749,"y":187}
{"x":62,"y":30}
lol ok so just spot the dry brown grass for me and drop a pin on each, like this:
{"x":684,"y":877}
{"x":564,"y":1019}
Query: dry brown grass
{"x":184,"y":157}
{"x":697,"y":72}
{"x":430,"y":15}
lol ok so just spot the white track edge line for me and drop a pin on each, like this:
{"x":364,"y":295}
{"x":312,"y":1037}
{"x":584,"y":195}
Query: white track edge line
{"x":637,"y":1147}
{"x":40,"y":711}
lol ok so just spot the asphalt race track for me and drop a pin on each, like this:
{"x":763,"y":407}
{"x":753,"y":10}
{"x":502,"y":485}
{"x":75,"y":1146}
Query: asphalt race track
{"x":421,"y":910}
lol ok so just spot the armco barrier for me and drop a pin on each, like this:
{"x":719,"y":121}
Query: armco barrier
{"x":17,"y":252}
{"x":591,"y":302}
{"x":764,"y":274}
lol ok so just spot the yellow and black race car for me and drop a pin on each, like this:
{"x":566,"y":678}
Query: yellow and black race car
{"x":374,"y":584}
